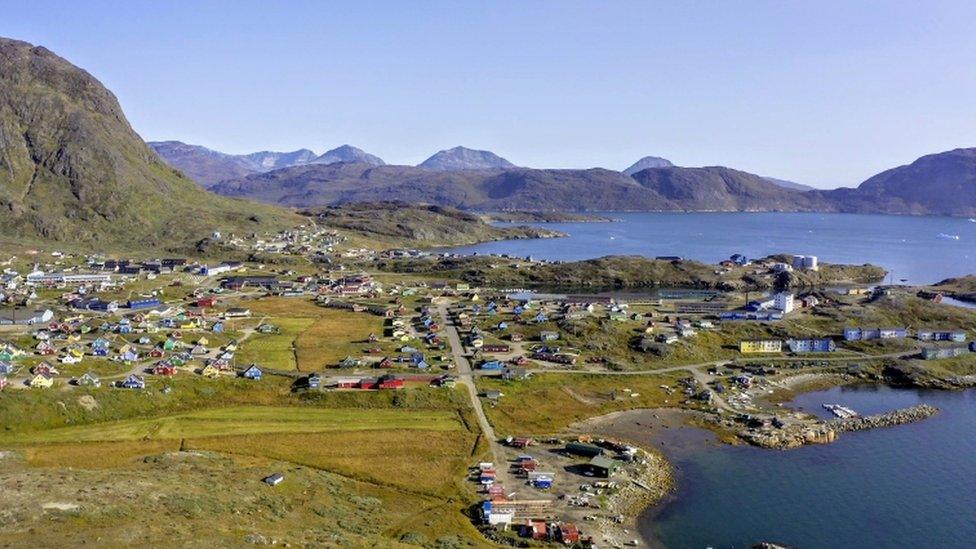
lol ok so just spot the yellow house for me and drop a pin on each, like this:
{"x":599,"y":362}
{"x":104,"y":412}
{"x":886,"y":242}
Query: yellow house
{"x":761,"y":346}
{"x":203,"y":341}
{"x":42,"y":381}
{"x":188,"y":325}
{"x":210,"y":371}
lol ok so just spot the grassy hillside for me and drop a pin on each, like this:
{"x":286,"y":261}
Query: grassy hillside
{"x":71,"y":167}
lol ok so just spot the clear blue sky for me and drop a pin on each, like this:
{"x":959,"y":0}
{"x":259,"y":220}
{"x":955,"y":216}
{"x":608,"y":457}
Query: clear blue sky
{"x":825,"y":93}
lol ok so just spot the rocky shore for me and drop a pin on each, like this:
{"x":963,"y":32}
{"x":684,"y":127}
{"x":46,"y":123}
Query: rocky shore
{"x":644,"y":486}
{"x":800,"y":434}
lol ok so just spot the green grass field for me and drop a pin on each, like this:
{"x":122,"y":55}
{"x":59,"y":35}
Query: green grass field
{"x":275,"y":350}
{"x":311,"y":337}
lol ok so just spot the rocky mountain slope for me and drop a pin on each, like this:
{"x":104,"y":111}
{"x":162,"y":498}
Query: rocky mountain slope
{"x":935,"y":184}
{"x":263,"y":161}
{"x":595,"y":189}
{"x":348,"y":153}
{"x":792,"y":185}
{"x":940,"y":184}
{"x":207,"y":166}
{"x":72,"y":169}
{"x":721,"y":189}
{"x":648,"y":162}
{"x":461,"y":158}
{"x":203,"y":165}
{"x":520,"y":188}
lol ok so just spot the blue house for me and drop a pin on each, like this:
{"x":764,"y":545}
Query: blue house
{"x":813,"y":345}
{"x":252,"y":372}
{"x":143,"y":303}
{"x":503,"y":325}
{"x":6,"y":368}
{"x":218,"y":327}
{"x":491,"y":365}
{"x":133,"y":382}
{"x":868,"y":334}
{"x":541,"y":317}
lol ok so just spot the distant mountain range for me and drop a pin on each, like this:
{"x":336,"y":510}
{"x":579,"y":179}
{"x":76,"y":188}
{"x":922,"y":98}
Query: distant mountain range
{"x":207,"y":166}
{"x":72,"y":169}
{"x":940,"y":184}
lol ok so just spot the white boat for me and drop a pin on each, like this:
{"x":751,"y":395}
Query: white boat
{"x":842,"y":412}
{"x":949,"y":236}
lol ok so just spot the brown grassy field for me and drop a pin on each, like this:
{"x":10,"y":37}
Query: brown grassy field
{"x":428,"y":462}
{"x":548,"y":403}
{"x":202,"y":499}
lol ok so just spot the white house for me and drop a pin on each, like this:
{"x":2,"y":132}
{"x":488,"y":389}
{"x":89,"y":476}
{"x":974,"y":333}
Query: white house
{"x":784,"y":302}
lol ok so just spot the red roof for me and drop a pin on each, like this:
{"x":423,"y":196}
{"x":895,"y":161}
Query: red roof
{"x":568,"y":533}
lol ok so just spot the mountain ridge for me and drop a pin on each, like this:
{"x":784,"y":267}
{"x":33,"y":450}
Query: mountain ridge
{"x":951,"y":174}
{"x":208,"y":166}
{"x":72,"y":168}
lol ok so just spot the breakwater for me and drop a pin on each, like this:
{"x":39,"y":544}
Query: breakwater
{"x":799,"y":434}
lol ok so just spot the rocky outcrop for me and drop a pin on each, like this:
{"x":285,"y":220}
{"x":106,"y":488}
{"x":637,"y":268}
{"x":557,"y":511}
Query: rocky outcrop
{"x":890,"y":419}
{"x":801,"y":434}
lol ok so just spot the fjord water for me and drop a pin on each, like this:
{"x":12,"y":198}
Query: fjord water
{"x":906,"y":486}
{"x":920,"y":250}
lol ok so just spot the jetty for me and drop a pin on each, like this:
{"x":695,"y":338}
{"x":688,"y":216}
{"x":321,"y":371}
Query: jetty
{"x":794,"y":435}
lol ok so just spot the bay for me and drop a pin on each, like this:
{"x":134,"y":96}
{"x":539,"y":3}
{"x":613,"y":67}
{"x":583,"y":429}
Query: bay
{"x":914,"y":249}
{"x":905,"y":486}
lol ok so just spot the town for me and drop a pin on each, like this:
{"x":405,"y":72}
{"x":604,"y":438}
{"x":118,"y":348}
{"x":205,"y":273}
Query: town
{"x":316,"y":316}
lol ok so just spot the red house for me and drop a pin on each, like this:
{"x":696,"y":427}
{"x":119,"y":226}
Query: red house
{"x":568,"y":533}
{"x":389,"y":382}
{"x":164,"y":370}
{"x":347,"y":383}
{"x":521,"y":442}
{"x":535,"y":529}
{"x":495,"y":348}
{"x":207,"y":301}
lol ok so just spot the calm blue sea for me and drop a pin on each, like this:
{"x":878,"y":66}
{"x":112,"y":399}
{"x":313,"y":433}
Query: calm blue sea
{"x":919,"y":250}
{"x":905,"y":486}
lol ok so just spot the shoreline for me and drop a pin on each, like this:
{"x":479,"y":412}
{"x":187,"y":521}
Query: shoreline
{"x":669,"y":428}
